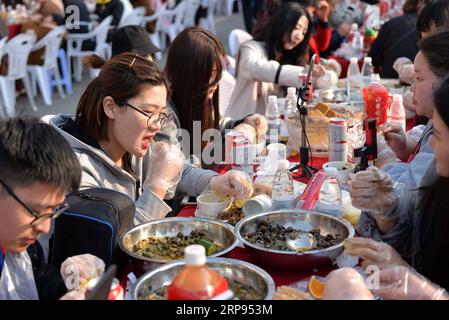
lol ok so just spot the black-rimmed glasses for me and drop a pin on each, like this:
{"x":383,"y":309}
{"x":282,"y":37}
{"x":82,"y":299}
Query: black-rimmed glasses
{"x":162,"y":118}
{"x":38,"y":217}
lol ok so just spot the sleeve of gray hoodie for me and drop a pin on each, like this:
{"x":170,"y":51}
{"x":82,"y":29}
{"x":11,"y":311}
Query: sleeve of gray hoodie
{"x":148,"y":207}
{"x":411,"y":175}
{"x":194,"y":180}
{"x":400,"y":235}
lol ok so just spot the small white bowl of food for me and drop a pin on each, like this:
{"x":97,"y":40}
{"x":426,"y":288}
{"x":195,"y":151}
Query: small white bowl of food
{"x":344,"y":169}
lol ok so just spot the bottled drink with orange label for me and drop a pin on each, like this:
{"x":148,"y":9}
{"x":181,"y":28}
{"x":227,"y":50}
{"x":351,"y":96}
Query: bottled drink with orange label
{"x":196,"y":281}
{"x":375,"y":97}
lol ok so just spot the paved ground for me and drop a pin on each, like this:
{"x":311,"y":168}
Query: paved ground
{"x":224,"y":24}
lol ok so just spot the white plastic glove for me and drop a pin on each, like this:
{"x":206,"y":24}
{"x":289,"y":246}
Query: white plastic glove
{"x":233,"y":183}
{"x":78,"y":270}
{"x":346,"y":284}
{"x":409,"y":106}
{"x":405,"y":69}
{"x":373,"y":190}
{"x":373,"y":252}
{"x":165,"y":169}
{"x":384,"y":153}
{"x":332,"y":65}
{"x":402,"y":283}
{"x":259,"y":122}
{"x":79,"y":294}
{"x":395,"y":137}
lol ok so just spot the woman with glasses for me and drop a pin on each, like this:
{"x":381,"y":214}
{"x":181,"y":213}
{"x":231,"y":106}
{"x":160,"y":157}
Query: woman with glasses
{"x":118,"y":115}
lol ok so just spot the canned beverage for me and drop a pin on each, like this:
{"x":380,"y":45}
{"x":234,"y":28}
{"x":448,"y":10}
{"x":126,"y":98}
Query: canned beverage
{"x":229,"y":144}
{"x":338,"y":143}
{"x":115,"y":293}
{"x":243,"y":154}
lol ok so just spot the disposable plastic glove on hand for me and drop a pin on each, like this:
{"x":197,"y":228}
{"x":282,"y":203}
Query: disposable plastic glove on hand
{"x":235,"y":184}
{"x":165,"y":169}
{"x":384,"y":153}
{"x":78,"y":270}
{"x":395,"y":138}
{"x":346,"y":284}
{"x":402,"y":283}
{"x":259,"y":122}
{"x":374,"y":191}
{"x":373,"y":252}
{"x":405,"y":69}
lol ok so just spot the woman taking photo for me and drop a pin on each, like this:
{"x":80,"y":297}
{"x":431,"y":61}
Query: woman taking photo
{"x":117,"y":118}
{"x":277,"y":58}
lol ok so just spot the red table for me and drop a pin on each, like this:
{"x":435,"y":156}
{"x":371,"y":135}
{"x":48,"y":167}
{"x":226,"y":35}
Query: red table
{"x":280,"y":277}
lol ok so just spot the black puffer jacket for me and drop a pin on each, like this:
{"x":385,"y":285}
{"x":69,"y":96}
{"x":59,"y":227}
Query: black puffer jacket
{"x":49,"y":282}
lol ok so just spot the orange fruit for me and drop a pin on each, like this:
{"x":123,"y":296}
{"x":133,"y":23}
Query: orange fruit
{"x":316,"y":288}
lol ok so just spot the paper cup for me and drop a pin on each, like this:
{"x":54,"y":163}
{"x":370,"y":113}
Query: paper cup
{"x":210,"y":204}
{"x":257,"y":204}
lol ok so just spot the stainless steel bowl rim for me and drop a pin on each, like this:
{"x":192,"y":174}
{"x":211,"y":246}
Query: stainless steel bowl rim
{"x":177,"y":219}
{"x":271,"y":287}
{"x":239,"y":225}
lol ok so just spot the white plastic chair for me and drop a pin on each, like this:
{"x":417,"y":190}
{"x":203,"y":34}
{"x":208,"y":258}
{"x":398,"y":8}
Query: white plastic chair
{"x":172,"y":22}
{"x":41,"y":73}
{"x":228,"y":5}
{"x":156,"y":37}
{"x":127,"y":10}
{"x":209,"y":22}
{"x":189,"y":13}
{"x":134,"y":18}
{"x":18,"y":49}
{"x":75,"y":42}
{"x":236,"y":38}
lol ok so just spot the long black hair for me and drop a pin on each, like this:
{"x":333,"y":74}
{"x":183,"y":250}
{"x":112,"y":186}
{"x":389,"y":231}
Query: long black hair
{"x":280,"y":25}
{"x":435,"y":14}
{"x":433,"y":229}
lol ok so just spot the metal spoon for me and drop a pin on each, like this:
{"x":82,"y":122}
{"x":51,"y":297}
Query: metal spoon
{"x":304,"y":242}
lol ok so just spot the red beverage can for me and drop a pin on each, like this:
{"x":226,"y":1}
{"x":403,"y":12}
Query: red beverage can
{"x":338,"y":143}
{"x":229,"y":145}
{"x":115,"y":293}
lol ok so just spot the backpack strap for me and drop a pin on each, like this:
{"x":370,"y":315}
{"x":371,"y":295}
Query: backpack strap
{"x":2,"y":260}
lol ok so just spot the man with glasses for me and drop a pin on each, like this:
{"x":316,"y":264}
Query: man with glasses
{"x":37,"y":169}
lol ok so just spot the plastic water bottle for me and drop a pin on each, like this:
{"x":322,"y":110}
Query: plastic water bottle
{"x":290,"y":102}
{"x":367,"y":69}
{"x":283,"y":191}
{"x":397,"y":112}
{"x":273,"y":118}
{"x":357,"y":44}
{"x":352,"y":32}
{"x":329,"y":200}
{"x":196,"y":281}
{"x":353,"y":78}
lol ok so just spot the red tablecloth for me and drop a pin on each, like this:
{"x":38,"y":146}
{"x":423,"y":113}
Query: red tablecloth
{"x":279,"y":277}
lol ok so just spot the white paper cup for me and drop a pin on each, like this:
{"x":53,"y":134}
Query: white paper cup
{"x":257,"y":204}
{"x":210,"y":204}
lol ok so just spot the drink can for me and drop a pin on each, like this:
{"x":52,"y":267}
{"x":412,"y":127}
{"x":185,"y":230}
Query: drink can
{"x":115,"y":293}
{"x":229,"y":144}
{"x":338,"y":143}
